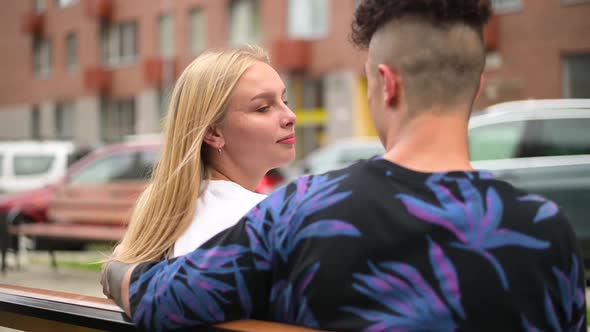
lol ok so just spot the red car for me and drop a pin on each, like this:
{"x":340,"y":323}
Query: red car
{"x":99,"y":188}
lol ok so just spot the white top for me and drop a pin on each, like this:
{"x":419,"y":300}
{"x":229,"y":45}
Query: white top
{"x":222,"y":205}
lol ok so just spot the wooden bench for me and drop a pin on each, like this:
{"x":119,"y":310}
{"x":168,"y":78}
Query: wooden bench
{"x":92,"y":213}
{"x":32,"y":309}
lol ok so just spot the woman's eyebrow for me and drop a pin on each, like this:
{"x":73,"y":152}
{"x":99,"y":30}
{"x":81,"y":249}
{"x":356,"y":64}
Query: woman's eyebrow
{"x":267,"y":95}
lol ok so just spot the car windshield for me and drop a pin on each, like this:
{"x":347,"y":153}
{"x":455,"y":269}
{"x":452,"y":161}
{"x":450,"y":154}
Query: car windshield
{"x":24,"y":165}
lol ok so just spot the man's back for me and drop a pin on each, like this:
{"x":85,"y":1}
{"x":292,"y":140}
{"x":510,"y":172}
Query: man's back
{"x":380,"y":247}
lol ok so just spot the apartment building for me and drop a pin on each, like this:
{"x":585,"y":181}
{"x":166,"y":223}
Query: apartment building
{"x":541,"y":50}
{"x":95,"y":71}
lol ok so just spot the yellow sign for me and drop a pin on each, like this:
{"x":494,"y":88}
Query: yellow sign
{"x":311,"y":116}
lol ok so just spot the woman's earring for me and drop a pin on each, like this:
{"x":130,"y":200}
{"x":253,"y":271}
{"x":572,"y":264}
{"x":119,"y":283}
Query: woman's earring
{"x":219,"y":150}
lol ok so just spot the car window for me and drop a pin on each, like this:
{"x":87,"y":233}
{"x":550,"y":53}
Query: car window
{"x":353,"y":155}
{"x":109,"y":169}
{"x":24,"y":165}
{"x":147,"y":161}
{"x":77,"y":155}
{"x":561,"y":137}
{"x":496,"y":141}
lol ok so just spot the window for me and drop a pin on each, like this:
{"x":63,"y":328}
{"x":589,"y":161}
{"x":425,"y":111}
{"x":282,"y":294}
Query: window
{"x":1,"y":165}
{"x":197,"y":31}
{"x":497,"y":141}
{"x":24,"y":165}
{"x":64,"y":119}
{"x":164,"y":94}
{"x":117,"y":119}
{"x":166,"y":28}
{"x":65,"y":3}
{"x":561,"y":137}
{"x":41,"y":57}
{"x":112,"y":168}
{"x":35,"y":122}
{"x":71,"y":51}
{"x":38,"y":6}
{"x":244,"y":22}
{"x":308,"y":18}
{"x":576,"y":81}
{"x":119,"y":43}
{"x":506,"y":6}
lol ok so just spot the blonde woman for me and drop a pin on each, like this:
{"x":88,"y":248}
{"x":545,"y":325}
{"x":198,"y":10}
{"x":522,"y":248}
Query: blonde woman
{"x":228,"y":124}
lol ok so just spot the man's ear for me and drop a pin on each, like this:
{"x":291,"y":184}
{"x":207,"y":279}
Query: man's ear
{"x":214,"y":137}
{"x":391,"y":84}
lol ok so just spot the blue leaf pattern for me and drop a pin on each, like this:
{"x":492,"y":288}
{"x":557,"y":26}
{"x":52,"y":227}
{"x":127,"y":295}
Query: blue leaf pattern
{"x":409,"y":302}
{"x":274,"y":228}
{"x":313,"y":194}
{"x":201,"y":292}
{"x":547,"y":210}
{"x":571,"y":299}
{"x":475,"y":223}
{"x":289,"y":302}
{"x":447,"y":277}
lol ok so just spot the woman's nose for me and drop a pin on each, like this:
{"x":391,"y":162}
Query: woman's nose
{"x":289,"y":119}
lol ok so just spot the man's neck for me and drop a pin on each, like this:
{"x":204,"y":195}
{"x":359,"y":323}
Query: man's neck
{"x":430,"y":143}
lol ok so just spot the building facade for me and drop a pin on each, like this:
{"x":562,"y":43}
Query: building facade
{"x":96,"y":71}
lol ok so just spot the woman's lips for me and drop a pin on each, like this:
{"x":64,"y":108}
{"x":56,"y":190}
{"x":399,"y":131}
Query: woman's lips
{"x":287,"y":140}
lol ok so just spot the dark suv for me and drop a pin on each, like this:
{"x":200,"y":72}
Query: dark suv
{"x":542,"y":146}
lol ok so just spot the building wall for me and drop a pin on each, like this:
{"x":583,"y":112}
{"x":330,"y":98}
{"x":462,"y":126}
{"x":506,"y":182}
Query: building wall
{"x":526,"y":64}
{"x":15,"y":122}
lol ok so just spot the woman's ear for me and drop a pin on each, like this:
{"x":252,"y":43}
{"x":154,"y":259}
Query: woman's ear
{"x":214,"y":138}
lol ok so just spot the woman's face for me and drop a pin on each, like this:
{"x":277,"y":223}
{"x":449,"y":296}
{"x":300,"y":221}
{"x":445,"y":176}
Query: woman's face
{"x":259,"y":128}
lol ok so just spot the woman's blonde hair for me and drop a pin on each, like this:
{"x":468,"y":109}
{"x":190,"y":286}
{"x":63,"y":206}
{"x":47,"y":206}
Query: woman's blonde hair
{"x":200,"y":99}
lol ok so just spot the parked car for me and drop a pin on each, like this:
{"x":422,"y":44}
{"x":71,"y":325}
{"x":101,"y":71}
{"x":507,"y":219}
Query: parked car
{"x":341,"y":153}
{"x":26,"y":165}
{"x":542,"y":146}
{"x":104,"y":187}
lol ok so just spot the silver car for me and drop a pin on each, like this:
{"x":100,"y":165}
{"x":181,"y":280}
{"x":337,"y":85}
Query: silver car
{"x":541,"y":146}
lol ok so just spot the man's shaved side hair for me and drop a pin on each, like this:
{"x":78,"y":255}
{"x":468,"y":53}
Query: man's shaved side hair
{"x":436,"y":45}
{"x":438,"y":66}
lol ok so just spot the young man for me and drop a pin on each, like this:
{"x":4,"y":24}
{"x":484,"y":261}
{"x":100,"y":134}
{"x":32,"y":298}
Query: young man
{"x":415,"y":240}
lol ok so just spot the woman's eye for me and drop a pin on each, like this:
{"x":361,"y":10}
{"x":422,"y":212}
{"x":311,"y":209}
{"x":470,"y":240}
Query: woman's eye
{"x":262,"y":109}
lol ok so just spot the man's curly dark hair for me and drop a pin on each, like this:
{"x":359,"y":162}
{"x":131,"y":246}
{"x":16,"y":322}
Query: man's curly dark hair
{"x":371,"y":15}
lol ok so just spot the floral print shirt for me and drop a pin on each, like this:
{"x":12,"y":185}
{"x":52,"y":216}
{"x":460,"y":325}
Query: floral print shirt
{"x":377,"y":247}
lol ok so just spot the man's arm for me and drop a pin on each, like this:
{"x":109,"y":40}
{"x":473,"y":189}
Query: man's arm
{"x":115,"y":282}
{"x":226,"y":279}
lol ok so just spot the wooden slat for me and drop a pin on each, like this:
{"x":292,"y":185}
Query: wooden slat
{"x":42,"y":320}
{"x":93,"y":215}
{"x":77,"y":299}
{"x":70,"y":231}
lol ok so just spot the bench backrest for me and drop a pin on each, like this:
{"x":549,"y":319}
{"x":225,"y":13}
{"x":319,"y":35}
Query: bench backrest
{"x":31,"y":309}
{"x":102,"y":204}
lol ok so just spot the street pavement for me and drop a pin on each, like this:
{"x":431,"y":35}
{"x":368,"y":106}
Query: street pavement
{"x":37,"y":272}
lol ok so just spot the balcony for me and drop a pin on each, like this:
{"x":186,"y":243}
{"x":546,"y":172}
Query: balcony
{"x":33,"y":22}
{"x":97,"y":79}
{"x":99,"y":9}
{"x":291,"y":54}
{"x":155,"y":67}
{"x":491,"y":34}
